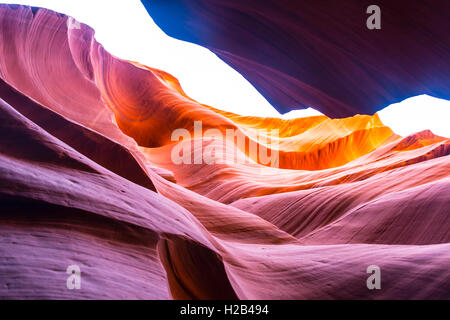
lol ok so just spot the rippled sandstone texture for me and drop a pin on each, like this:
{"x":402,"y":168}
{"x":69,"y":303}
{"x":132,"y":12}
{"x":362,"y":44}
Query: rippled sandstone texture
{"x":320,"y":54}
{"x":86,"y":178}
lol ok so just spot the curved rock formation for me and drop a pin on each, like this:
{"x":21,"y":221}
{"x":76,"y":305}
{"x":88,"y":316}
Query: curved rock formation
{"x":303,"y":53}
{"x":88,"y":178}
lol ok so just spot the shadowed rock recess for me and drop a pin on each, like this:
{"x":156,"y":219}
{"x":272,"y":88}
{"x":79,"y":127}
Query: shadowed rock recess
{"x":87,"y":179}
{"x":320,"y":54}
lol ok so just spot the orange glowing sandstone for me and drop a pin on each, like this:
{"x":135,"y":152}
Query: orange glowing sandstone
{"x":87,"y":177}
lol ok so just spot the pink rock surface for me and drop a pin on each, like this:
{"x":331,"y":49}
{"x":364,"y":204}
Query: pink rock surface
{"x":86,"y":179}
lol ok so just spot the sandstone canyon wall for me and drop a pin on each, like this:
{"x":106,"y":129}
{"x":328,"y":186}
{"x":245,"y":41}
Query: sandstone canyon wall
{"x":320,"y":54}
{"x":87,"y":179}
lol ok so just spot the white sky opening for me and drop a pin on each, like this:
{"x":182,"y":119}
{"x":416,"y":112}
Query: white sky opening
{"x":127,"y":31}
{"x":417,"y":114}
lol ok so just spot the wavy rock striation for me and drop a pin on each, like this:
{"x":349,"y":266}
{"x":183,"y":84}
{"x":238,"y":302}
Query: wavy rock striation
{"x":320,"y":54}
{"x":88,"y":179}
